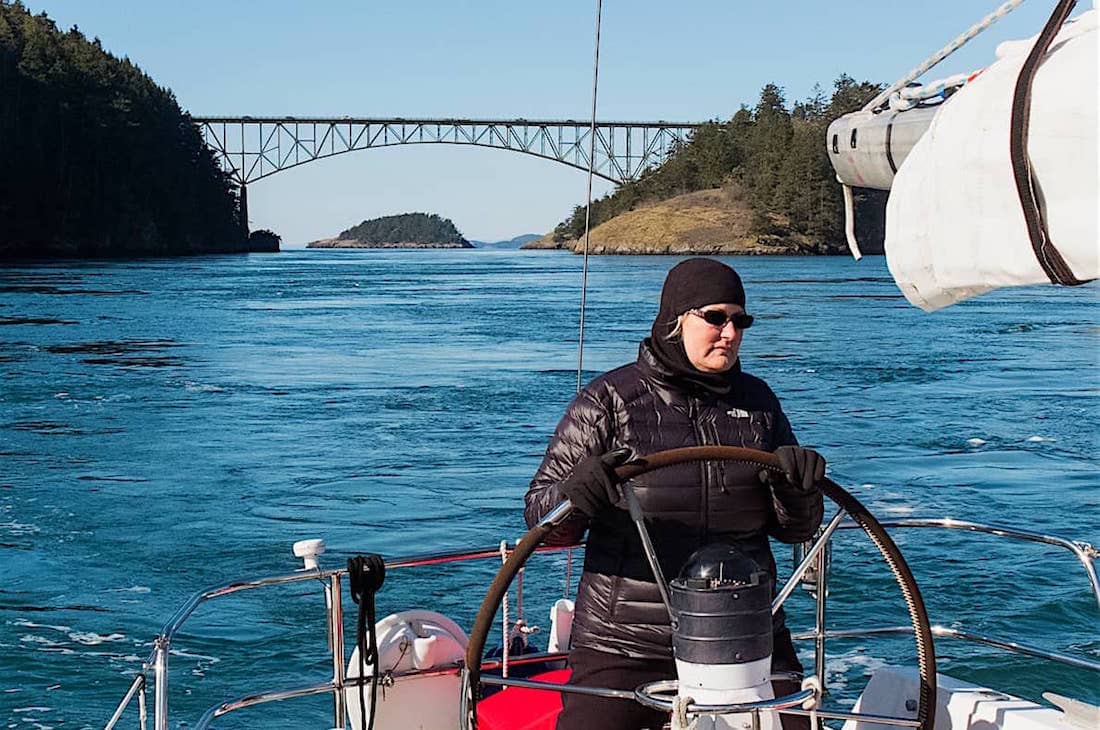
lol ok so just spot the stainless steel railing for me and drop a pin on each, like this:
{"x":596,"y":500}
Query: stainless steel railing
{"x":157,"y":663}
{"x":260,"y":698}
{"x":815,"y":563}
{"x":1083,"y":551}
{"x":816,"y":560}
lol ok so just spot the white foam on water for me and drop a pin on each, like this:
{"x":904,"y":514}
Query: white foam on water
{"x":35,"y":724}
{"x":32,"y":625}
{"x":132,"y":589}
{"x":193,"y":387}
{"x":189,"y":655}
{"x":88,"y":638}
{"x":32,"y":709}
{"x":901,"y":509}
{"x":976,"y":442}
{"x":867,"y":486}
{"x":20,"y":528}
{"x":1038,"y":439}
{"x":841,"y":667}
{"x":45,"y":644}
{"x":131,"y":658}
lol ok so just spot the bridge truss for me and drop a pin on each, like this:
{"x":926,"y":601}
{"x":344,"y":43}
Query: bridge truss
{"x":252,"y":148}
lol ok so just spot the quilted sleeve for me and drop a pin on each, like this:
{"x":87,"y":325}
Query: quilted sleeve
{"x":584,"y":429}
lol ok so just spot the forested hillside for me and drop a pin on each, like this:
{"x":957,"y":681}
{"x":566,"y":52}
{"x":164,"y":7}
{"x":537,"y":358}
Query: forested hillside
{"x":96,"y":159}
{"x":406,"y":228}
{"x":776,"y":155}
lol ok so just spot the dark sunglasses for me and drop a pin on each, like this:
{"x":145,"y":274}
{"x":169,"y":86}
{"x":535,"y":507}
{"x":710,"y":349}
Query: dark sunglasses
{"x":718,"y":318}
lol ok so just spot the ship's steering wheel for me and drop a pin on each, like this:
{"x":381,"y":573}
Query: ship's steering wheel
{"x":845,"y":502}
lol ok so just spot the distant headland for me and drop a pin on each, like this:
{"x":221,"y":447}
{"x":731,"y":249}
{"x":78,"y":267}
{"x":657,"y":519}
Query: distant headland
{"x":408,"y":230}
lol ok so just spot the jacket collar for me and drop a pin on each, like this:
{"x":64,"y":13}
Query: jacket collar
{"x":675,"y":384}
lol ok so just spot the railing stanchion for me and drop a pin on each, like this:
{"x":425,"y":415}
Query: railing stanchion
{"x":135,"y":686}
{"x":143,"y":713}
{"x":819,"y":620}
{"x":160,"y":685}
{"x":336,"y":643}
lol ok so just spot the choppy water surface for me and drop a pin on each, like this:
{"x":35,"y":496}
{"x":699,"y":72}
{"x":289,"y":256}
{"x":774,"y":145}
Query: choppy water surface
{"x":167,"y":425}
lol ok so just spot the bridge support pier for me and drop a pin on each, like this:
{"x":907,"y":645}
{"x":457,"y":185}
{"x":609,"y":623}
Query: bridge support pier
{"x":243,"y":210}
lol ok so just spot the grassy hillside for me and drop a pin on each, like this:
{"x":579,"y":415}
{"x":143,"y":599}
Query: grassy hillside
{"x":774,"y":190}
{"x":718,"y":221}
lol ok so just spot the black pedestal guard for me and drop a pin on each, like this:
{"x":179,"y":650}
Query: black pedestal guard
{"x":926,"y":655}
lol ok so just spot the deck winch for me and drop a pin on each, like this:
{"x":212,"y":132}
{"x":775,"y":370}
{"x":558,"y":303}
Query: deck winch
{"x":722,"y":634}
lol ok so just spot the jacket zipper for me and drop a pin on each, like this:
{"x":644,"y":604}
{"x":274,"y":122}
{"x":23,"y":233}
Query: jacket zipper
{"x":704,"y":466}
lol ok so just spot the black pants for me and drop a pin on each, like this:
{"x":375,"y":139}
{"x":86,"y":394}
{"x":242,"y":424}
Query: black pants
{"x":599,"y":669}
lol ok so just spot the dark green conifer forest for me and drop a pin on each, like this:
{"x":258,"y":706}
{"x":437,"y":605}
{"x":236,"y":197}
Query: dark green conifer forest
{"x":98,"y":160}
{"x":406,"y":228}
{"x":95,"y":158}
{"x":777,"y":154}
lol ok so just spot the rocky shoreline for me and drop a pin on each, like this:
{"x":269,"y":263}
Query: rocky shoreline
{"x":356,"y":243}
{"x":703,"y":223}
{"x":714,"y":222}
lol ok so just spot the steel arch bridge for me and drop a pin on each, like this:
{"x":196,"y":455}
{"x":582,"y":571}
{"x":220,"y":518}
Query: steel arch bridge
{"x":252,"y":148}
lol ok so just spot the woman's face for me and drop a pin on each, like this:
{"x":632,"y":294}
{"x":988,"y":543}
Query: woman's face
{"x":711,"y":348}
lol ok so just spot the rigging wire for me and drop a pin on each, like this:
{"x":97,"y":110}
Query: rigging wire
{"x":588,"y":199}
{"x":944,"y":52}
{"x":884,"y":96}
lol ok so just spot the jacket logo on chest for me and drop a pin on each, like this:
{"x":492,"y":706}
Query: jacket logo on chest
{"x":738,"y":413}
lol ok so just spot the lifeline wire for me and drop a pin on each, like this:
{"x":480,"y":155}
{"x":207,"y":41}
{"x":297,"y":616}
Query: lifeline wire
{"x":944,"y":52}
{"x":588,"y":204}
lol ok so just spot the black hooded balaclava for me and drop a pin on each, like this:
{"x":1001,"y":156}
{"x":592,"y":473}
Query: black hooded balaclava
{"x":692,"y":284}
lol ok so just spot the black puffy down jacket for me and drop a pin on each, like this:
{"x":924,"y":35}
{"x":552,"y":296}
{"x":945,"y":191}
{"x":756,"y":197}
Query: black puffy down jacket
{"x":641,"y":407}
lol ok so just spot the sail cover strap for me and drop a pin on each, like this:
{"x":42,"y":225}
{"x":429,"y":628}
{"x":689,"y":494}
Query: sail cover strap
{"x":1047,"y":254}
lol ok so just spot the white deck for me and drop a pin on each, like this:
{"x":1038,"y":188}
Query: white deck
{"x":960,"y":706}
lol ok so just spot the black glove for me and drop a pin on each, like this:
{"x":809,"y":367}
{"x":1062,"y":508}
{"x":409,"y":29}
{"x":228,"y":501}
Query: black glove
{"x":593,"y":485}
{"x":803,"y":468}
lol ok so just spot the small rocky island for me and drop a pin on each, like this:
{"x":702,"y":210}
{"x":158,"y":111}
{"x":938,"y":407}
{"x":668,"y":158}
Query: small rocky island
{"x":408,"y":230}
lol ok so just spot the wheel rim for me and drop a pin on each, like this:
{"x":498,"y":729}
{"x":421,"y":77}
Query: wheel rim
{"x":903,"y":576}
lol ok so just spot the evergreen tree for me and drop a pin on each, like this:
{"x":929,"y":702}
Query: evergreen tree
{"x":406,"y":228}
{"x":780,"y":158}
{"x":768,"y":145}
{"x":813,"y":109}
{"x":850,"y":95}
{"x":95,"y":158}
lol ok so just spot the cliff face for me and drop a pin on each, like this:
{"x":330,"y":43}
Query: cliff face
{"x":718,"y":221}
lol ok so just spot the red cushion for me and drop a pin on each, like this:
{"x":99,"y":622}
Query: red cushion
{"x":519,"y":708}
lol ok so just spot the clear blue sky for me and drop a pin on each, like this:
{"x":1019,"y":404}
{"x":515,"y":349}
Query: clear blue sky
{"x":688,"y":61}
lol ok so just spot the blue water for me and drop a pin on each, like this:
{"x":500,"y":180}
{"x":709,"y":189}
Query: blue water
{"x":166,"y":425}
